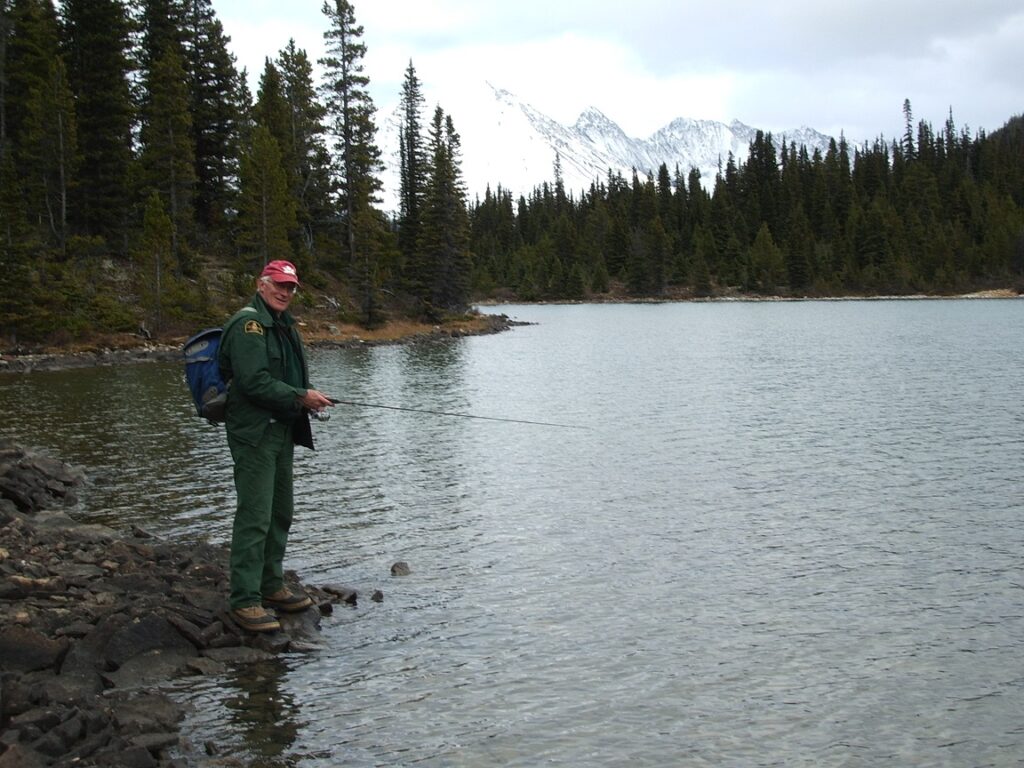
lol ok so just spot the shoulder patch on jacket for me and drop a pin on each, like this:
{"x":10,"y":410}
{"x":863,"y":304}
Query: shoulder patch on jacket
{"x":253,"y":326}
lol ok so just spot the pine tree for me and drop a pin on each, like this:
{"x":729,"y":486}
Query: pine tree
{"x":799,"y":252}
{"x":908,"y":132}
{"x":351,"y":109}
{"x":216,"y":109}
{"x":413,"y":167}
{"x":273,"y":115}
{"x":50,"y":154}
{"x":18,"y":255}
{"x":167,"y":156}
{"x":31,"y":45}
{"x":161,"y":26}
{"x":14,"y":229}
{"x":767,"y":264}
{"x":305,"y":157}
{"x":266,"y":209}
{"x":6,"y":26}
{"x":96,"y":53}
{"x":443,"y":275}
{"x":154,"y":260}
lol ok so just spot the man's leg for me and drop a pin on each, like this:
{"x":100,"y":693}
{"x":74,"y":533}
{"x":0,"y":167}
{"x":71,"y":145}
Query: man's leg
{"x":282,"y":508}
{"x":255,"y":470}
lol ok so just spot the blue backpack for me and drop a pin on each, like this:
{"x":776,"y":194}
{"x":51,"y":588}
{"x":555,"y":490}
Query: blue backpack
{"x":202,"y":374}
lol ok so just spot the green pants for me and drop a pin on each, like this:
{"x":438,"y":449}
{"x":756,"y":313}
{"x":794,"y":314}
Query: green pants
{"x":263,"y":482}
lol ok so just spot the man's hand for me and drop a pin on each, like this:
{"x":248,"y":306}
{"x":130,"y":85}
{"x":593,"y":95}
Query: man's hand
{"x":315,"y":401}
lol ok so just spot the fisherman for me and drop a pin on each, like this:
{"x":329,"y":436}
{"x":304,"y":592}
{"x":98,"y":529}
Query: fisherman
{"x":268,"y":407}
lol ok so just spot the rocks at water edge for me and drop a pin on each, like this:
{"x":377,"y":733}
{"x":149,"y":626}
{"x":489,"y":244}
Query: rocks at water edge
{"x":148,"y":352}
{"x":91,"y":619}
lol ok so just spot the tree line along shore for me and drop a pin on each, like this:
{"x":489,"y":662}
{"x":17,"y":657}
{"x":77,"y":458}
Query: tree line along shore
{"x":142,"y":185}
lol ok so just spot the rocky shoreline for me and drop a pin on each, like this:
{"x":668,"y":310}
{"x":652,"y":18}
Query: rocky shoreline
{"x":91,"y":619}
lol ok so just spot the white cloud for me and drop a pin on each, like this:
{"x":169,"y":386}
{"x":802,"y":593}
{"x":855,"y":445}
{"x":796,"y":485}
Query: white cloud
{"x":835,"y":66}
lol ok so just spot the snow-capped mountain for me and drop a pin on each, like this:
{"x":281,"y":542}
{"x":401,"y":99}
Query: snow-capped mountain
{"x":508,"y":143}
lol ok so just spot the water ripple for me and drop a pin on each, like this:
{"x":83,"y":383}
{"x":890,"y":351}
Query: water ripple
{"x":792,"y":535}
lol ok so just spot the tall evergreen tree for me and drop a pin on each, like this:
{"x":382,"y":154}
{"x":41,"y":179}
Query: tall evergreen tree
{"x":767,"y":264}
{"x":306,"y":159}
{"x":350,"y":109}
{"x":271,"y":109}
{"x":266,"y":209}
{"x":216,"y":109}
{"x":50,"y":154}
{"x":5,"y":35}
{"x":413,"y":166}
{"x":159,"y":25}
{"x":167,"y":153}
{"x":154,"y":261}
{"x":443,"y":246}
{"x":31,"y":44}
{"x":97,"y":44}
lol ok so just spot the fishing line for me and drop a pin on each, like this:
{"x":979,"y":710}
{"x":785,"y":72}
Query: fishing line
{"x":458,"y":415}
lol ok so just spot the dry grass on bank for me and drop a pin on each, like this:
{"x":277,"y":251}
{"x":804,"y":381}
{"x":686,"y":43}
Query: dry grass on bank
{"x":318,"y":331}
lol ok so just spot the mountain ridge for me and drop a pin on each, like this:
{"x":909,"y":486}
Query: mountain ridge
{"x":508,"y":143}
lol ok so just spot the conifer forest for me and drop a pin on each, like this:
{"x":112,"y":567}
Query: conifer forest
{"x":143,"y":184}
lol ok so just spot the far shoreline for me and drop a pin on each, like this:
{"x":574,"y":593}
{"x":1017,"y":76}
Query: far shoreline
{"x":994,"y":293}
{"x":318,"y":333}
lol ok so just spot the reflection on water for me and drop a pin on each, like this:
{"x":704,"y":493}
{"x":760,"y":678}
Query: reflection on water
{"x":792,"y":535}
{"x":261,"y":711}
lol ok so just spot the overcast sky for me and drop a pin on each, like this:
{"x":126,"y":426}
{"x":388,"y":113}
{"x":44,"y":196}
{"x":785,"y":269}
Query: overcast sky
{"x":837,"y":66}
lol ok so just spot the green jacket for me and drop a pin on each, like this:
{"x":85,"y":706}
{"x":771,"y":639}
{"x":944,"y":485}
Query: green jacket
{"x":253,"y":359}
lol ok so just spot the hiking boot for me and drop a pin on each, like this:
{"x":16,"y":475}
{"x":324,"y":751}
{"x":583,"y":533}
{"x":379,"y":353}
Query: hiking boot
{"x":286,"y":600}
{"x":254,"y":619}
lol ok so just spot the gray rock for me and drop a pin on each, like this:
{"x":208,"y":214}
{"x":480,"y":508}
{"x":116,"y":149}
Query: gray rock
{"x":69,"y":689}
{"x":150,"y":633}
{"x":206,"y":667}
{"x":25,"y":650}
{"x":148,"y":669}
{"x":145,"y":714}
{"x":131,"y":757}
{"x":237,"y":655}
{"x":343,"y":593}
{"x":21,"y":756}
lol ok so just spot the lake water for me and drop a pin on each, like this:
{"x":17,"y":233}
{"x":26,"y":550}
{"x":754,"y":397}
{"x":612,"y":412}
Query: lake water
{"x":773,"y":534}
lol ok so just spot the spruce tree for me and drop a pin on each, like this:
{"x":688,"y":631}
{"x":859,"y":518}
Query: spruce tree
{"x":799,"y":252}
{"x":31,"y":45}
{"x":266,"y":209}
{"x":413,"y":168}
{"x":217,"y":111}
{"x":305,"y":156}
{"x":271,"y":109}
{"x":167,"y":163}
{"x":350,"y":110}
{"x":767,"y":264}
{"x":154,"y":261}
{"x":50,"y":154}
{"x":5,"y":35}
{"x":96,"y":50}
{"x":443,"y":247}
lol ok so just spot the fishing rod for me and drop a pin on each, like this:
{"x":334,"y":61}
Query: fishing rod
{"x":458,"y":415}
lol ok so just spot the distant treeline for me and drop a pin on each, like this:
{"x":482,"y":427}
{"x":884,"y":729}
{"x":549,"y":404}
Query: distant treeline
{"x":932,"y":212}
{"x":141,"y":183}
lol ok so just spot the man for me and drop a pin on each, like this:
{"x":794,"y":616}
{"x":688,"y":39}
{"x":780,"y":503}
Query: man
{"x":268,"y":407}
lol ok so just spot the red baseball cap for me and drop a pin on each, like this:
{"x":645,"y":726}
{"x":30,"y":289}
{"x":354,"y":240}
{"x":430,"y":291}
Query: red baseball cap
{"x":281,"y":271}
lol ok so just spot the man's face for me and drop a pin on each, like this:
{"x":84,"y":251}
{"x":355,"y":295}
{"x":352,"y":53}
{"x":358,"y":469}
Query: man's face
{"x":277,"y":295}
